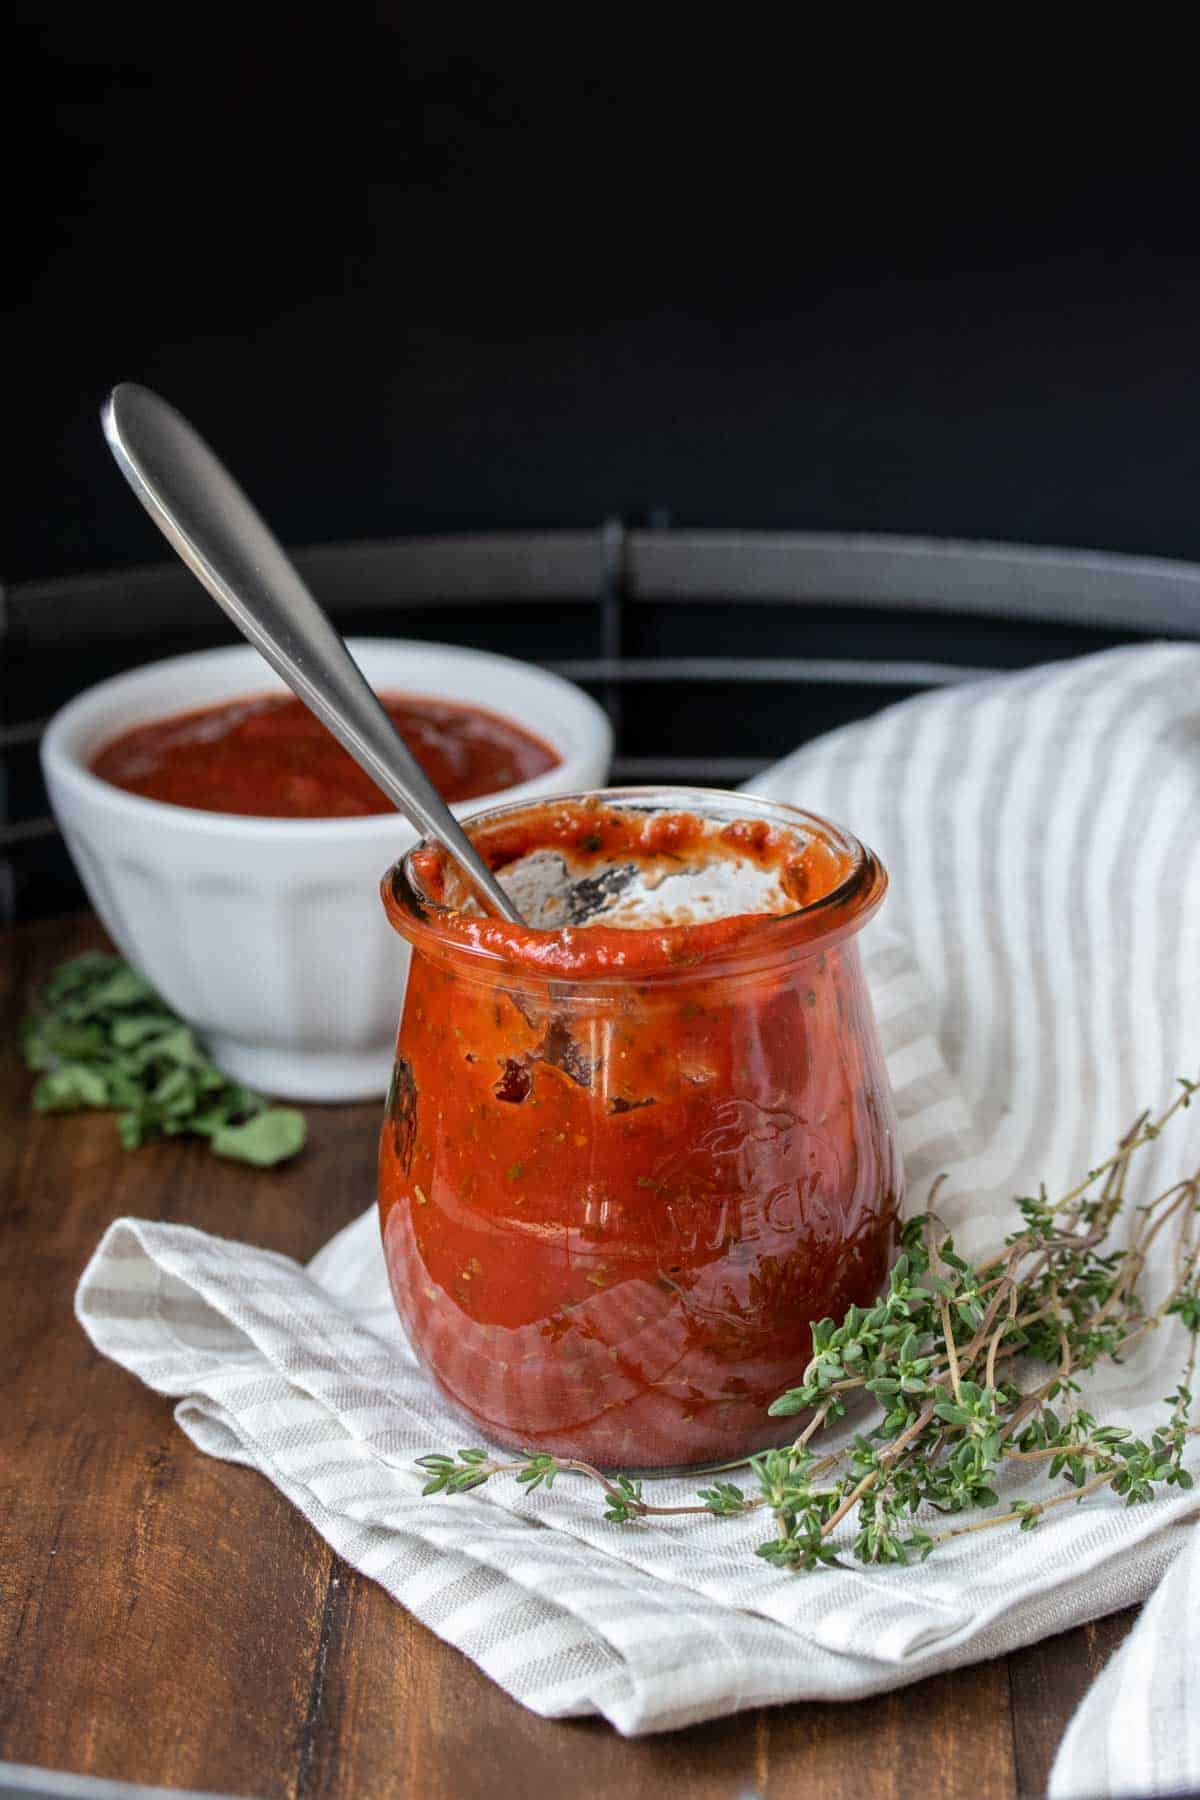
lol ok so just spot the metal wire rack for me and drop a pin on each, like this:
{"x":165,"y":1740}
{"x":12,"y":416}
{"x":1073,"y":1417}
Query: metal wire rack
{"x":713,"y":651}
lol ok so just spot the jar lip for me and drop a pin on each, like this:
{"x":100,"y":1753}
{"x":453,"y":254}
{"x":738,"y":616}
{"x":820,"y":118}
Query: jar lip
{"x":843,"y":909}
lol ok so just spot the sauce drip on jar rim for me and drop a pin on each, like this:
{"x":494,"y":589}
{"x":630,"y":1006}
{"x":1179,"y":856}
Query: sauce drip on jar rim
{"x":266,"y":756}
{"x":704,"y":889}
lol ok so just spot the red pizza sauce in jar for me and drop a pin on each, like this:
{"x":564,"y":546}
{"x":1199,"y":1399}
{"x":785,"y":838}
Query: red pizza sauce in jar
{"x":266,"y":755}
{"x":634,"y":1150}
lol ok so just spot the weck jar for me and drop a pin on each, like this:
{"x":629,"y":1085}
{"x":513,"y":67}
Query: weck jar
{"x":633,"y":1150}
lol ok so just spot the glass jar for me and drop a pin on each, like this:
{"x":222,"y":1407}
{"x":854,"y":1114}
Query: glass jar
{"x":629,"y":1157}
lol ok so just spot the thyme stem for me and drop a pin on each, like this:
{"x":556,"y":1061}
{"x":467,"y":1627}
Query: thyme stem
{"x":938,"y":1353}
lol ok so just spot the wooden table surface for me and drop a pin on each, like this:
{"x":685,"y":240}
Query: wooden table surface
{"x":165,"y":1618}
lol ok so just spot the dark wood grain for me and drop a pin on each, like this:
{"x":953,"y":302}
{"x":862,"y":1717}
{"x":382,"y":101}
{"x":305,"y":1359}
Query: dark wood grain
{"x":166,"y":1618}
{"x":1047,"y":1682}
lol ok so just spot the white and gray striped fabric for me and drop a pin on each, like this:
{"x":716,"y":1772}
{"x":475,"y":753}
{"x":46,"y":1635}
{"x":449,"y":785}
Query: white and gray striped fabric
{"x":1037,"y":984}
{"x":1143,"y":1713}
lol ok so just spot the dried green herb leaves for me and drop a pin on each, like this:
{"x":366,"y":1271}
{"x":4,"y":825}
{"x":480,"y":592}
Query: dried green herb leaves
{"x":102,"y":1037}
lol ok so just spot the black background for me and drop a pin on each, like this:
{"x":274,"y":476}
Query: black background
{"x":919,"y":268}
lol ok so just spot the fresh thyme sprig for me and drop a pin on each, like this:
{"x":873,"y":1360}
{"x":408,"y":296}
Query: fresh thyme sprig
{"x":964,"y":1364}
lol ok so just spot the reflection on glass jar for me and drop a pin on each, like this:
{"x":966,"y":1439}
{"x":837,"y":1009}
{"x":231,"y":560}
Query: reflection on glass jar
{"x":628,"y":1161}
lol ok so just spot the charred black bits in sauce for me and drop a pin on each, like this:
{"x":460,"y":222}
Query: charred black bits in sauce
{"x":402,"y":1112}
{"x":515,"y":1083}
{"x":560,"y":1050}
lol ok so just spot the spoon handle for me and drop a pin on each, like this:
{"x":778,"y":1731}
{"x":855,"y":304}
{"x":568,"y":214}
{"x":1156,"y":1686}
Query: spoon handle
{"x":204,"y":514}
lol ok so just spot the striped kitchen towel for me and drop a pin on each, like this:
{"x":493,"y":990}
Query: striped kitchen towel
{"x":1143,"y":1713}
{"x":1037,"y":983}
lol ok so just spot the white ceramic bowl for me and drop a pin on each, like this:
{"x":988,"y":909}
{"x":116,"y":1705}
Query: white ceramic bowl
{"x":269,"y":934}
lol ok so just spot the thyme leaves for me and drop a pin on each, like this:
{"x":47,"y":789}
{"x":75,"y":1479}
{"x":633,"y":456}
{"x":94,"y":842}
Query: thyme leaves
{"x":971,"y":1371}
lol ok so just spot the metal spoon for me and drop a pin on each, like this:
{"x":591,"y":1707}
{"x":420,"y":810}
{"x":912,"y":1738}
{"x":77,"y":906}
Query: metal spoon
{"x":204,"y":514}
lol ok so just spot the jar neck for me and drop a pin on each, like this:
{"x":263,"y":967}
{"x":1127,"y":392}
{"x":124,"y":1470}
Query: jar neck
{"x":837,"y":882}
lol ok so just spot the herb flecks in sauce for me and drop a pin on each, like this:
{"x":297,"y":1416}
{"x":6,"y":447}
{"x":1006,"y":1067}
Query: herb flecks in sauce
{"x":682,"y":1163}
